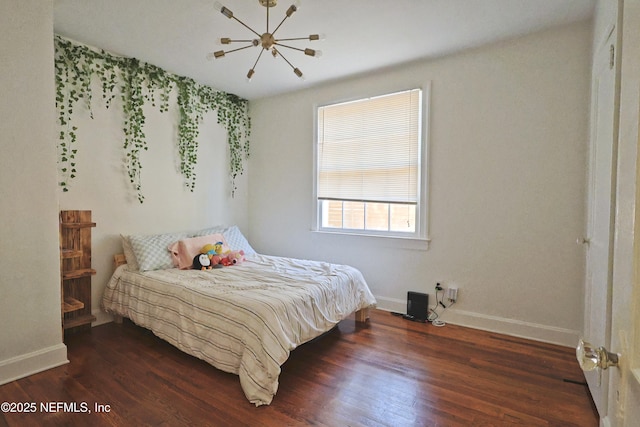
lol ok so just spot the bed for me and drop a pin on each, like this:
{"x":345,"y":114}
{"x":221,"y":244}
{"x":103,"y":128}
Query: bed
{"x":245,"y":318}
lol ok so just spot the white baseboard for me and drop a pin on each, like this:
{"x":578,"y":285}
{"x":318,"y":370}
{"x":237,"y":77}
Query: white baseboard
{"x":532,"y":331}
{"x":528,"y":330}
{"x":32,"y":363}
{"x":101,"y":317}
{"x":392,"y":304}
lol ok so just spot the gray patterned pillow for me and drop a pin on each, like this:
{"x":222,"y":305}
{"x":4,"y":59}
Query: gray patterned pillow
{"x":237,"y":241}
{"x":130,"y":256}
{"x":218,"y":229}
{"x":152,"y":252}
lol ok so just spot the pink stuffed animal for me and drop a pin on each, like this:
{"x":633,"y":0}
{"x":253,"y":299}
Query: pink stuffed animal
{"x":234,"y":257}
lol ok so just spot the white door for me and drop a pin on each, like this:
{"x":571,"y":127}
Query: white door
{"x":598,"y":292}
{"x":624,"y":381}
{"x":618,"y":320}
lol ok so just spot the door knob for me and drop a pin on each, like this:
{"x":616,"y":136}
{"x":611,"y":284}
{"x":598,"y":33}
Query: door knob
{"x":591,"y":358}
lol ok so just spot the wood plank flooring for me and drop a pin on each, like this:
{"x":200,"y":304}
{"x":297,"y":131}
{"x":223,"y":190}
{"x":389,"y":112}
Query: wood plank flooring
{"x":389,"y":372}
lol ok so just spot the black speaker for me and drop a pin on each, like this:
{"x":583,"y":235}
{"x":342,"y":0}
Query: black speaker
{"x":417,"y":306}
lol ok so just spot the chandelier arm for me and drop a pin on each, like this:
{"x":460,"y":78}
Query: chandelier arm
{"x":258,"y":59}
{"x":240,"y":48}
{"x":241,"y":41}
{"x":286,"y":60}
{"x":291,"y":39}
{"x":280,"y":24}
{"x":248,"y":27}
{"x":289,"y":47}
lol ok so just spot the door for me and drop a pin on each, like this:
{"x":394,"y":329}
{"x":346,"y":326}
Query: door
{"x":624,"y":381}
{"x":599,"y":243}
{"x":619,"y":316}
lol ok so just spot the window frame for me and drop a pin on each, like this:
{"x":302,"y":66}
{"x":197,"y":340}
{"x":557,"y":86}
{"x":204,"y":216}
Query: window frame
{"x":422,"y":207}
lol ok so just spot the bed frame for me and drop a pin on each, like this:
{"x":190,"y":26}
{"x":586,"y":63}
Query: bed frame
{"x":362,"y":316}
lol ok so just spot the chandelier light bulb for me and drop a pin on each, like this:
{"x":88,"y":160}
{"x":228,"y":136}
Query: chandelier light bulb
{"x":219,"y":7}
{"x":311,"y":52}
{"x":250,"y":74}
{"x":292,"y":9}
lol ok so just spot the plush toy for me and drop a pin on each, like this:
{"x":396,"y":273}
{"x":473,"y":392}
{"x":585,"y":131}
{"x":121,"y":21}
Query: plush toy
{"x":218,"y":248}
{"x":209,"y":249}
{"x":234,"y":257}
{"x":202,"y":262}
{"x":216,"y":261}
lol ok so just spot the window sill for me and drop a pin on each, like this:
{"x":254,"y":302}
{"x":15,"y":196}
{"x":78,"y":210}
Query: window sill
{"x":395,"y":242}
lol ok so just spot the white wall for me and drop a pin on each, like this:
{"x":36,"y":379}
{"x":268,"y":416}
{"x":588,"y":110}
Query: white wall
{"x":30,"y":336}
{"x":507,"y":157}
{"x":102,"y":185}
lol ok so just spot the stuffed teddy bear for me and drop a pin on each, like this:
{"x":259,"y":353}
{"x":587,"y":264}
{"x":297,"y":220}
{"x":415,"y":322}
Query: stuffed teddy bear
{"x":234,"y":257}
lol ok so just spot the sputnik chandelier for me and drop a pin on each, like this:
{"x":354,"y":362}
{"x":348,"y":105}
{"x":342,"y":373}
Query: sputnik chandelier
{"x":267,"y":40}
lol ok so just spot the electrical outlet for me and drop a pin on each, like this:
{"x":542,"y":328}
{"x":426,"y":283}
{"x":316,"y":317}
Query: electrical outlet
{"x":451,"y":294}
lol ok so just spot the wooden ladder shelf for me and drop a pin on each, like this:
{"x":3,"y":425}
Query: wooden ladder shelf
{"x":75,"y":269}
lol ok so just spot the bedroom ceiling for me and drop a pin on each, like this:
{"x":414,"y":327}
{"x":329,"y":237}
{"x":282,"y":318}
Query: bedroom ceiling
{"x":361,"y":35}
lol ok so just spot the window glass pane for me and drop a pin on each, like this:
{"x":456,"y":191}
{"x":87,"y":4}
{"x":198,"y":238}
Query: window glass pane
{"x":354,"y":215}
{"x":332,"y":213}
{"x":377,"y":216}
{"x":403,"y":218}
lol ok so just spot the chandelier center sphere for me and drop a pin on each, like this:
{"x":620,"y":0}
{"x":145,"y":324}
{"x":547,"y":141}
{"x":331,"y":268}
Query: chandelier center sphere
{"x":267,"y":40}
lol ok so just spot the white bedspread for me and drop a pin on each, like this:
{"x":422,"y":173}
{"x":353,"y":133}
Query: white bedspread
{"x":244,"y":319}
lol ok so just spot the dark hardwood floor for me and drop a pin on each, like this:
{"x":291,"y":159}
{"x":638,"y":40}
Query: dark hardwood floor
{"x":390,"y":372}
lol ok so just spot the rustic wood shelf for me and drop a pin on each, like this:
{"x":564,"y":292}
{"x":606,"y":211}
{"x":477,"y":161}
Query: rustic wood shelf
{"x":83,"y":320}
{"x":77,"y":225}
{"x":70,"y":253}
{"x":75,"y":270}
{"x":71,"y":304}
{"x":76,"y":274}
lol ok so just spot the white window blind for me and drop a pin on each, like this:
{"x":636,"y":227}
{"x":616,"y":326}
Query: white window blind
{"x":369,"y":150}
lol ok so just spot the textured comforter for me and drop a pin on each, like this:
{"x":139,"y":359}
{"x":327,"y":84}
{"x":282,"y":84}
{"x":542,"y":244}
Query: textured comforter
{"x":244,"y":319}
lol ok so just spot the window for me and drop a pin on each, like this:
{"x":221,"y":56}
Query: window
{"x":369,"y":173}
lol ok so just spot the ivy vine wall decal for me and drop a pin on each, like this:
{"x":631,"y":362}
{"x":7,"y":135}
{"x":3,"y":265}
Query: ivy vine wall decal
{"x":137,"y":84}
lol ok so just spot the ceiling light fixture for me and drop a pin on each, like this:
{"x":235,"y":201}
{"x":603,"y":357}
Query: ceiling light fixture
{"x":267,"y":40}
